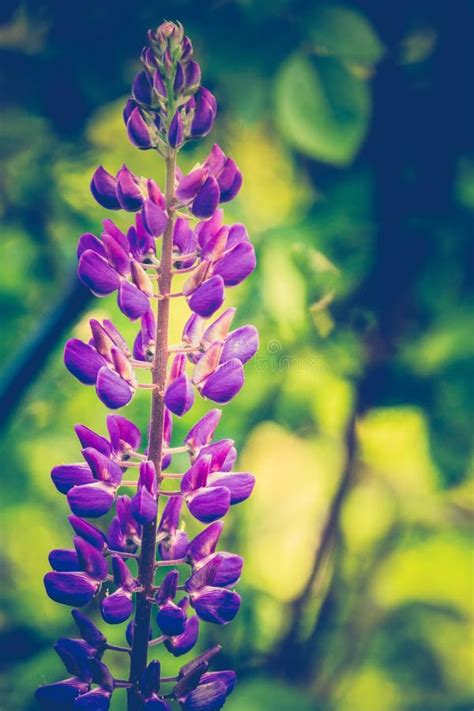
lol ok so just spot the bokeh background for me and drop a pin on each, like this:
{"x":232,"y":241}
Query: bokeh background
{"x":353,"y":125}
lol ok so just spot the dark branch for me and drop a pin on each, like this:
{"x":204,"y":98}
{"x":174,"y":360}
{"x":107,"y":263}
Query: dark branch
{"x":28,"y":364}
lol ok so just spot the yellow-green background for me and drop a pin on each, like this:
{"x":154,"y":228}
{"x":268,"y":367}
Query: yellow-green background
{"x":352,"y":125}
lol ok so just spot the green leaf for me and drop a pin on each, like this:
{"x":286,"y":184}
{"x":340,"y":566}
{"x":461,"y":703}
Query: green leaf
{"x":344,"y":33}
{"x":322,"y":108}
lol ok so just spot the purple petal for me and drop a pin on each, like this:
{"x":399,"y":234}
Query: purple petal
{"x":88,"y":631}
{"x":141,"y":279}
{"x":154,"y":218}
{"x":192,"y":74}
{"x":237,"y":264}
{"x":91,"y":500}
{"x":225,"y":382}
{"x":182,"y":643}
{"x":124,"y":435}
{"x":147,"y":476}
{"x":176,"y":130}
{"x":219,"y":329}
{"x":150,"y":680}
{"x":223,"y":455}
{"x":138,"y":131}
{"x":240,"y":484}
{"x":179,"y":395}
{"x":95,"y":700}
{"x":237,"y":234}
{"x":233,"y":190}
{"x":227,"y":677}
{"x":83,"y":361}
{"x":209,"y":504}
{"x":184,"y":241}
{"x":203,"y":431}
{"x":101,"y":466}
{"x":90,"y":559}
{"x":111,"y":229}
{"x":167,"y":589}
{"x":96,"y":274}
{"x":132,"y":302}
{"x":207,"y":198}
{"x":207,"y":697}
{"x":117,"y":607}
{"x":158,"y":84}
{"x":178,"y":366}
{"x":61,"y":695}
{"x":171,"y":619}
{"x":217,"y":605}
{"x":88,"y":532}
{"x":143,"y":506}
{"x":63,"y":560}
{"x":204,"y":115}
{"x":75,"y":655}
{"x":112,"y":390}
{"x":216,"y":159}
{"x":219,"y":570}
{"x":170,"y":517}
{"x":88,"y":241}
{"x":128,"y":190}
{"x":115,"y":336}
{"x":208,"y":297}
{"x":141,"y":88}
{"x":241,"y":343}
{"x":228,"y":571}
{"x":65,"y":476}
{"x":204,"y":544}
{"x":176,"y":545}
{"x":196,"y":476}
{"x":189,"y":185}
{"x":89,"y":438}
{"x":178,"y":79}
{"x":206,"y":229}
{"x":118,"y":258}
{"x":103,"y":186}
{"x":76,"y":589}
{"x":127,"y":110}
{"x":227,"y":175}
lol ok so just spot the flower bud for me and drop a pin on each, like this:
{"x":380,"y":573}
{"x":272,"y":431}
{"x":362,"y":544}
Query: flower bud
{"x":176,"y":130}
{"x":141,"y":88}
{"x":129,"y":192}
{"x":138,"y":131}
{"x":103,"y":188}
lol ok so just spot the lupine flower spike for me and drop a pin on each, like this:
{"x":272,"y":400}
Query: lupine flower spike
{"x":177,"y":230}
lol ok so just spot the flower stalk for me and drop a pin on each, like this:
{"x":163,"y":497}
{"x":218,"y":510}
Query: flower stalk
{"x":169,"y":106}
{"x":146,"y":569}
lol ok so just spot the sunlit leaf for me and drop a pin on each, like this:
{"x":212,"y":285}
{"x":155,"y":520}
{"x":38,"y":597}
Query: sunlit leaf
{"x":345,"y":33}
{"x":322,"y":108}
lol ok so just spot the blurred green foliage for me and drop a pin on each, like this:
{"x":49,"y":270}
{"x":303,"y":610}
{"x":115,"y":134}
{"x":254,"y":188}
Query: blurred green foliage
{"x":348,"y":123}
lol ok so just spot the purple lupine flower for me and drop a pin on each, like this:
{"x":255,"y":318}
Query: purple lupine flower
{"x":168,"y":106}
{"x":118,"y":606}
{"x":174,"y":542}
{"x":170,"y":617}
{"x":217,"y":180}
{"x":179,"y":395}
{"x":143,"y":506}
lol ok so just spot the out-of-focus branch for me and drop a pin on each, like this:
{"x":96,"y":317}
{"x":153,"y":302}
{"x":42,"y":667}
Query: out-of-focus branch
{"x":28,"y":364}
{"x":328,"y":538}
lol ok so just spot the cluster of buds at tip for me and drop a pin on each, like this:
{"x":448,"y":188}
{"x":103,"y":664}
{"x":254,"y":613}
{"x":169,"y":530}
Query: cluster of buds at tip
{"x":185,"y":581}
{"x":168,"y":104}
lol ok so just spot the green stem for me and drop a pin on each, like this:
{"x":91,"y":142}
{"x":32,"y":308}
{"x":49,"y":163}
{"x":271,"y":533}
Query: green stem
{"x":146,"y":567}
